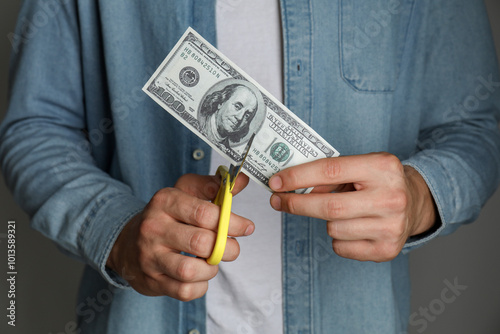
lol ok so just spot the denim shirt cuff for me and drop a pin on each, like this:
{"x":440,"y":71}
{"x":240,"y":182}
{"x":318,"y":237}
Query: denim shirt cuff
{"x":101,"y":231}
{"x":437,"y":186}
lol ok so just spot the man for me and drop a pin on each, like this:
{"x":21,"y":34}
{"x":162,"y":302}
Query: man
{"x":130,"y":201}
{"x":226,"y":114}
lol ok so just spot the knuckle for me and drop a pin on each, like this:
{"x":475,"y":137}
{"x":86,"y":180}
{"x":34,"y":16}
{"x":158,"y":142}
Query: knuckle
{"x":186,"y":292}
{"x":334,"y":209}
{"x":392,"y":231}
{"x":340,"y":249}
{"x":390,"y":162}
{"x":331,"y":169}
{"x":291,"y":175}
{"x":201,"y":213}
{"x":290,"y":204}
{"x":387,"y":252}
{"x":163,"y":197}
{"x":183,"y":178}
{"x":149,"y":232}
{"x":397,"y":200}
{"x":186,"y":271}
{"x":399,"y":230}
{"x":148,"y":227}
{"x":199,"y":243}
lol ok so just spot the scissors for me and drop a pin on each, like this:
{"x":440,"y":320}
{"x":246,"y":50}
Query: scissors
{"x":224,"y":199}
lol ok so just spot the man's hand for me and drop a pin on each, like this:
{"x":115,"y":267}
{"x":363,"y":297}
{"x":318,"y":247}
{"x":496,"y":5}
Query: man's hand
{"x":377,"y":204}
{"x":181,"y":219}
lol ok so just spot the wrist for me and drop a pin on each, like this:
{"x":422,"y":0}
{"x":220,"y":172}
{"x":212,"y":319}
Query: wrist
{"x":116,"y":251}
{"x":423,"y":211}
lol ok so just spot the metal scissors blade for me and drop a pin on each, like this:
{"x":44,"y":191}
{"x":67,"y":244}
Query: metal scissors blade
{"x":235,"y":170}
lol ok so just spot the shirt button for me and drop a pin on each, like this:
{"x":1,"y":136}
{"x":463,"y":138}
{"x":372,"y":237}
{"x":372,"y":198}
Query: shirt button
{"x":198,"y":154}
{"x":194,"y":331}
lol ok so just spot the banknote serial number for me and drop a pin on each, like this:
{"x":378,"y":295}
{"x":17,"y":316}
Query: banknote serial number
{"x":187,"y":52}
{"x":264,"y":159}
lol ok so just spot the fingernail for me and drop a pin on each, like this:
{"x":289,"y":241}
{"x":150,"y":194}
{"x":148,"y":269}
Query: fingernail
{"x":276,"y":202}
{"x":249,"y":230}
{"x":275,"y":183}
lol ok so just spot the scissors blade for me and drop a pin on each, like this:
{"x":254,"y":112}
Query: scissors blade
{"x":235,"y":170}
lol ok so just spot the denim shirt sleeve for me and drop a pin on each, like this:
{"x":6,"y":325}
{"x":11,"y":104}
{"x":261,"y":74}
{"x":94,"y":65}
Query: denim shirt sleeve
{"x":457,"y":84}
{"x":45,"y":155}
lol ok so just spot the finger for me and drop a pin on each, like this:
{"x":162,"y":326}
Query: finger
{"x":202,"y":186}
{"x":361,"y":250}
{"x":164,"y":285}
{"x":365,"y":229}
{"x":194,"y":211}
{"x":328,"y":206}
{"x":185,"y":268}
{"x":240,"y":184}
{"x":366,"y":250}
{"x":328,"y":171}
{"x":206,"y":186}
{"x":198,"y":242}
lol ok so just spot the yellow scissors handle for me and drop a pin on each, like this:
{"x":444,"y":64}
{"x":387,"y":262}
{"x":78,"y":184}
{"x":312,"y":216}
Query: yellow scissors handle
{"x":224,"y":199}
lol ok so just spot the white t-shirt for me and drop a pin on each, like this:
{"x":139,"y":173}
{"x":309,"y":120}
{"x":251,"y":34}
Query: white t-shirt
{"x":245,"y":296}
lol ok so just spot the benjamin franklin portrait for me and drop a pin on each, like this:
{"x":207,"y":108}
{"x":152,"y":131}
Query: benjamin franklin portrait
{"x":231,"y":111}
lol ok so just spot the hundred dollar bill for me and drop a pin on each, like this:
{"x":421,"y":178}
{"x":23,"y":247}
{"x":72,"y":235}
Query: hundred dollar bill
{"x":224,"y":106}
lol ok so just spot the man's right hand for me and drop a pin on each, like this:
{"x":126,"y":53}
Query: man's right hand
{"x":181,"y":219}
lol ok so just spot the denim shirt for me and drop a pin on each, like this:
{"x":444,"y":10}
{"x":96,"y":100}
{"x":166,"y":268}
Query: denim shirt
{"x":83,"y":149}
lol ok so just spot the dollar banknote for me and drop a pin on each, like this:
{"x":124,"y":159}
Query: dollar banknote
{"x":224,"y":106}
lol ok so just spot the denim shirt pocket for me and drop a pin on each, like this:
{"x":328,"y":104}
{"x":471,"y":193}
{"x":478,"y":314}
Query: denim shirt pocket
{"x":372,"y":39}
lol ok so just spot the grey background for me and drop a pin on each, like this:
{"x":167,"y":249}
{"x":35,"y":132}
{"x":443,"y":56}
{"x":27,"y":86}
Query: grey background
{"x":47,"y":281}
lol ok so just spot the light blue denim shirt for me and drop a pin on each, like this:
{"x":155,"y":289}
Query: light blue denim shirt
{"x":83,"y":149}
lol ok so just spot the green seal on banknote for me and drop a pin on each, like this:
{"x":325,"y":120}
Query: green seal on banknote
{"x":280,"y":152}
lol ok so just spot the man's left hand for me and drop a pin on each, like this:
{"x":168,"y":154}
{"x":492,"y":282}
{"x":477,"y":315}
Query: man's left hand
{"x":372,"y":203}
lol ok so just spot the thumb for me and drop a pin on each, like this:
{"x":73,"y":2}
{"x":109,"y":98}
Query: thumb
{"x":241,"y":182}
{"x":206,"y":186}
{"x":201,"y":186}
